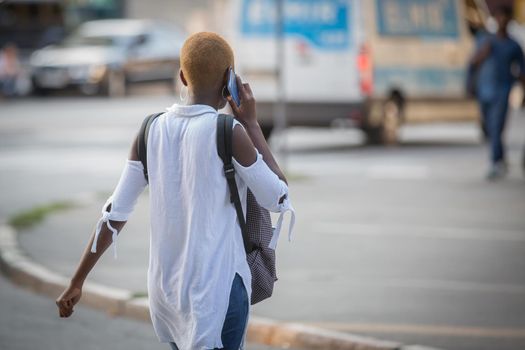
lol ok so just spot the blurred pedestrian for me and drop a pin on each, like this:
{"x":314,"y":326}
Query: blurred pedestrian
{"x":199,"y":282}
{"x":9,"y":70}
{"x":479,"y":75}
{"x":499,"y":62}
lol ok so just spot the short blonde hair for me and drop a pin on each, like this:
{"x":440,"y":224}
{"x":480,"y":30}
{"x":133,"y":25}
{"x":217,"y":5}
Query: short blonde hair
{"x":204,"y":58}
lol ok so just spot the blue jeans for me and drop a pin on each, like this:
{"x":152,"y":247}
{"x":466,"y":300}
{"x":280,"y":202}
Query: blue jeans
{"x":236,"y":317}
{"x":494,"y":115}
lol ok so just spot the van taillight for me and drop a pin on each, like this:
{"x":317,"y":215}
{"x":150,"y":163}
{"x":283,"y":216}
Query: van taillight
{"x":365,"y":69}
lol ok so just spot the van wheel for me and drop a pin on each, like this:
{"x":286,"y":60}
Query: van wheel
{"x":391,"y":122}
{"x":387,"y":133}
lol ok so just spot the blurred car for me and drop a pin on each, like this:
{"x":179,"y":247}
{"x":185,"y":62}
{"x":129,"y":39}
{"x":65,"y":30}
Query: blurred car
{"x":104,"y":56}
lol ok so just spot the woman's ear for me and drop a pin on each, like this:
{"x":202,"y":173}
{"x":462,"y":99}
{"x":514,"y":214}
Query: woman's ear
{"x":182,"y":78}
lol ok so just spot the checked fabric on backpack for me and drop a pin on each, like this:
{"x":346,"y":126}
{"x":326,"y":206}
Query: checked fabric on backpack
{"x":257,"y":230}
{"x":262,"y":259}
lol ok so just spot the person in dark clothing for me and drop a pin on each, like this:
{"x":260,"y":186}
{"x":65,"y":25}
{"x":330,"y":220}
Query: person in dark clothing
{"x":503,"y":56}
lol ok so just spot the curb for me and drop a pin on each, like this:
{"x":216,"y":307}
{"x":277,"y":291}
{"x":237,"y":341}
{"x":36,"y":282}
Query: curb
{"x":21,"y":270}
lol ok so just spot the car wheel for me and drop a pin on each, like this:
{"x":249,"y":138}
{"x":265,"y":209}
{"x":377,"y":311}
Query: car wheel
{"x":36,"y":89}
{"x":39,"y":91}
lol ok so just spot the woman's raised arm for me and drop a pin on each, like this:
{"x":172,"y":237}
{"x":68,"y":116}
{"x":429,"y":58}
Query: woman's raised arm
{"x":245,"y":141}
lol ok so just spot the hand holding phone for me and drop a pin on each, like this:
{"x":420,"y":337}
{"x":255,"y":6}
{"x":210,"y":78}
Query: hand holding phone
{"x":232,"y":87}
{"x":242,"y":101}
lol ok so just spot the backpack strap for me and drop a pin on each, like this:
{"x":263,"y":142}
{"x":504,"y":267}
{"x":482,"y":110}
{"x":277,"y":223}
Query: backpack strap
{"x":224,"y":149}
{"x":142,"y":141}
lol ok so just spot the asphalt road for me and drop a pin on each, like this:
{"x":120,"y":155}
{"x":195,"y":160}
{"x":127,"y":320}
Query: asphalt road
{"x":407,"y":243}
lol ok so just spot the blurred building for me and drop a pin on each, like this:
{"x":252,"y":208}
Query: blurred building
{"x":32,"y":24}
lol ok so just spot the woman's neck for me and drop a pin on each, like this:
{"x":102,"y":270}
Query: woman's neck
{"x":206,"y":98}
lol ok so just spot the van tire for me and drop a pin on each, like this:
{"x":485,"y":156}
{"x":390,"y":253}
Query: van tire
{"x":391,"y":122}
{"x":387,"y":133}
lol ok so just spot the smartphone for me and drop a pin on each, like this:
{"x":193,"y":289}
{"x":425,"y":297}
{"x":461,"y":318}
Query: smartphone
{"x":232,"y":87}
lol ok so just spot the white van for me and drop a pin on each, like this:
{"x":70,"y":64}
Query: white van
{"x":373,"y":64}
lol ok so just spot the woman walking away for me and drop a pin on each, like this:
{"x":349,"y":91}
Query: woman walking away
{"x":199,"y":282}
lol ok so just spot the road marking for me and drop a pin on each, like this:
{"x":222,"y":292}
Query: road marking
{"x":424,"y":232}
{"x":452,"y":331}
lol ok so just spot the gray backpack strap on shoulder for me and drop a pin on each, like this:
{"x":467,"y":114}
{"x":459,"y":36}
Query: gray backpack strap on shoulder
{"x":142,"y":141}
{"x":224,"y":148}
{"x":257,"y":229}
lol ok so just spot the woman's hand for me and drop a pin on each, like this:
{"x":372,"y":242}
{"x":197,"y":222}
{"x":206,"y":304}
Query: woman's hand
{"x":68,"y":299}
{"x":245,"y":113}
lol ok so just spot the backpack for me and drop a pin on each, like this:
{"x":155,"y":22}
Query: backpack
{"x":257,"y":230}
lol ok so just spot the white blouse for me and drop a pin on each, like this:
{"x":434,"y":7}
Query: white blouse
{"x":196,"y":244}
